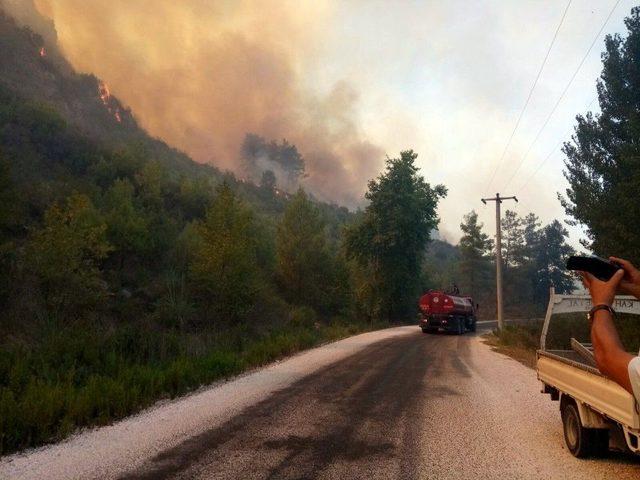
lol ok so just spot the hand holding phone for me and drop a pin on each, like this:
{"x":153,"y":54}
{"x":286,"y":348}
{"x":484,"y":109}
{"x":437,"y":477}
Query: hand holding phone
{"x":598,"y":267}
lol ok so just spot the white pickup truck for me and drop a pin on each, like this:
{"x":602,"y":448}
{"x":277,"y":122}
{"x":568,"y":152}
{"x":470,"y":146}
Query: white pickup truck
{"x":596,"y":412}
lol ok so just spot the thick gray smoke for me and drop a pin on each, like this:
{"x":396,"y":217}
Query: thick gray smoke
{"x":201,"y":74}
{"x":283,"y":160}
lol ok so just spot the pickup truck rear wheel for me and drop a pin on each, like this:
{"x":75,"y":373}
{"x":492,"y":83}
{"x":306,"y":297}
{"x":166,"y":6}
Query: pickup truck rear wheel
{"x":582,"y":442}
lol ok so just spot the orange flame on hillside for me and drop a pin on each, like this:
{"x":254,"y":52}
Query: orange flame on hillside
{"x":105,"y":96}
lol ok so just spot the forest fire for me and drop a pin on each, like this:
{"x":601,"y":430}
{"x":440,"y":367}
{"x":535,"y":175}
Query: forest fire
{"x":105,"y":96}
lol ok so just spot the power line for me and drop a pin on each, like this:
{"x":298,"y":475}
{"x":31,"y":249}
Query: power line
{"x":526,"y":103}
{"x":555,"y":149}
{"x":566,"y":88}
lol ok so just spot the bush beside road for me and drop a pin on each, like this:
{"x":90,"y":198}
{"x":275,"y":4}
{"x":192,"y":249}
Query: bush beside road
{"x":521,"y":339}
{"x":118,"y":381}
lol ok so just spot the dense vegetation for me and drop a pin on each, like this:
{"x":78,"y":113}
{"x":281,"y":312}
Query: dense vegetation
{"x":534,"y":257}
{"x":125,"y":281}
{"x":129,"y":273}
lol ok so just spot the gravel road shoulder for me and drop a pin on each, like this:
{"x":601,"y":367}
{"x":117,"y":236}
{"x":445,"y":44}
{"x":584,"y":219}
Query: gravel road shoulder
{"x":108,"y":451}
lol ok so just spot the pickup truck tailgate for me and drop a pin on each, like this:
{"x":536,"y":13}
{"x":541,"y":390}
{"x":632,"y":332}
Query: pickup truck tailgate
{"x":586,"y":384}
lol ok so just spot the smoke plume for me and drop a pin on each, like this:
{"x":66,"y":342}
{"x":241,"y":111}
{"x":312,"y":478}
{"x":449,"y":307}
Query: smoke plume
{"x":201,"y":74}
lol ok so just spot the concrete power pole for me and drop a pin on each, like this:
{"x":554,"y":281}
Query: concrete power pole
{"x":498,"y":199}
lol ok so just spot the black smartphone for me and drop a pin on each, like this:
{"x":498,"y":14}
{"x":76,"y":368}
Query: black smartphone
{"x":598,"y":267}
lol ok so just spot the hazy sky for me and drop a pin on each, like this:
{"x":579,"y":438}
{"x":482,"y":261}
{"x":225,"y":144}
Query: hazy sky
{"x":449,"y":78}
{"x":349,"y":81}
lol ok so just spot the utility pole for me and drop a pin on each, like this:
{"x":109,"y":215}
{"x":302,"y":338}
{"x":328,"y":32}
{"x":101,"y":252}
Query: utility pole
{"x":498,"y":199}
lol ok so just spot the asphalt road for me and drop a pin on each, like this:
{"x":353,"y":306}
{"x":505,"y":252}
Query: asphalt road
{"x":393,"y":403}
{"x":412,"y":406}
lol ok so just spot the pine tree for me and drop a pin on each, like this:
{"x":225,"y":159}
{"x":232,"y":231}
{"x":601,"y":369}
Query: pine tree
{"x":390,"y":240}
{"x":512,"y":239}
{"x":128,"y":229}
{"x":305,"y":269}
{"x":601,"y":163}
{"x":65,"y":255}
{"x":475,"y":249}
{"x":550,"y":260}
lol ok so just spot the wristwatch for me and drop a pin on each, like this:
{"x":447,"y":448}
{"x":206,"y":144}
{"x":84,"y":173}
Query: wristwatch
{"x":592,"y":312}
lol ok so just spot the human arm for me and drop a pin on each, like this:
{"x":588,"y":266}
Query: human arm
{"x":611,"y":357}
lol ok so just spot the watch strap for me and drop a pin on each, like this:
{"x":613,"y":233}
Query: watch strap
{"x":596,"y":308}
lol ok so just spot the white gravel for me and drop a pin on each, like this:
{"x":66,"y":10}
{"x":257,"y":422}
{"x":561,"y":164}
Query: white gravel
{"x":107,"y":452}
{"x":482,"y":416}
{"x":496,"y":424}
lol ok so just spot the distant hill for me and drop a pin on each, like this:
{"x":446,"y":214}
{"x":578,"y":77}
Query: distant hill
{"x":37,"y":71}
{"x":33,"y":71}
{"x":441,"y":264}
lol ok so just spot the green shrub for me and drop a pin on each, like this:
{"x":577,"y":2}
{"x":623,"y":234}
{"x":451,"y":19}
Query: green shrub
{"x":563,"y":327}
{"x":91,"y":375}
{"x":524,"y":335}
{"x":301,"y":317}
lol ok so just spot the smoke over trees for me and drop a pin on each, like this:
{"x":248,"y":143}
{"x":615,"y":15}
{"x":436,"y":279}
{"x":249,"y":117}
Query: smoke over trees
{"x":200,"y":75}
{"x":105,"y":253}
{"x":272,"y":163}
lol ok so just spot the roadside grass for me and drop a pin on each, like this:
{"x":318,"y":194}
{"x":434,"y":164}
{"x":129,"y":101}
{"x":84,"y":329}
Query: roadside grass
{"x":520,"y":341}
{"x":81,"y":377}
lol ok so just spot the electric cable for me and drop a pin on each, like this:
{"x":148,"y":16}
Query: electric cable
{"x":555,"y":149}
{"x":566,"y":88}
{"x":526,"y":103}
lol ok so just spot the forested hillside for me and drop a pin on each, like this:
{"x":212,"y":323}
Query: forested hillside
{"x":130,"y":273}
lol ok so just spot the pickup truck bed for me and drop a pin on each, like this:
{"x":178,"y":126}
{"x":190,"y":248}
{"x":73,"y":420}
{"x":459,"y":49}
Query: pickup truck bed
{"x":565,"y":371}
{"x":596,"y":412}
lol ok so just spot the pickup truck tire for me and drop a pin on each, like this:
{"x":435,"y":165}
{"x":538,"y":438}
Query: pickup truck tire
{"x":582,"y":442}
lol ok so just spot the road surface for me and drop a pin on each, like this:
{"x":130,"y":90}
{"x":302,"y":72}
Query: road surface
{"x":399,"y":404}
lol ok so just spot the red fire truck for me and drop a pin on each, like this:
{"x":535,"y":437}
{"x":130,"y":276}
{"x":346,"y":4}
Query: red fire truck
{"x":441,"y":311}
